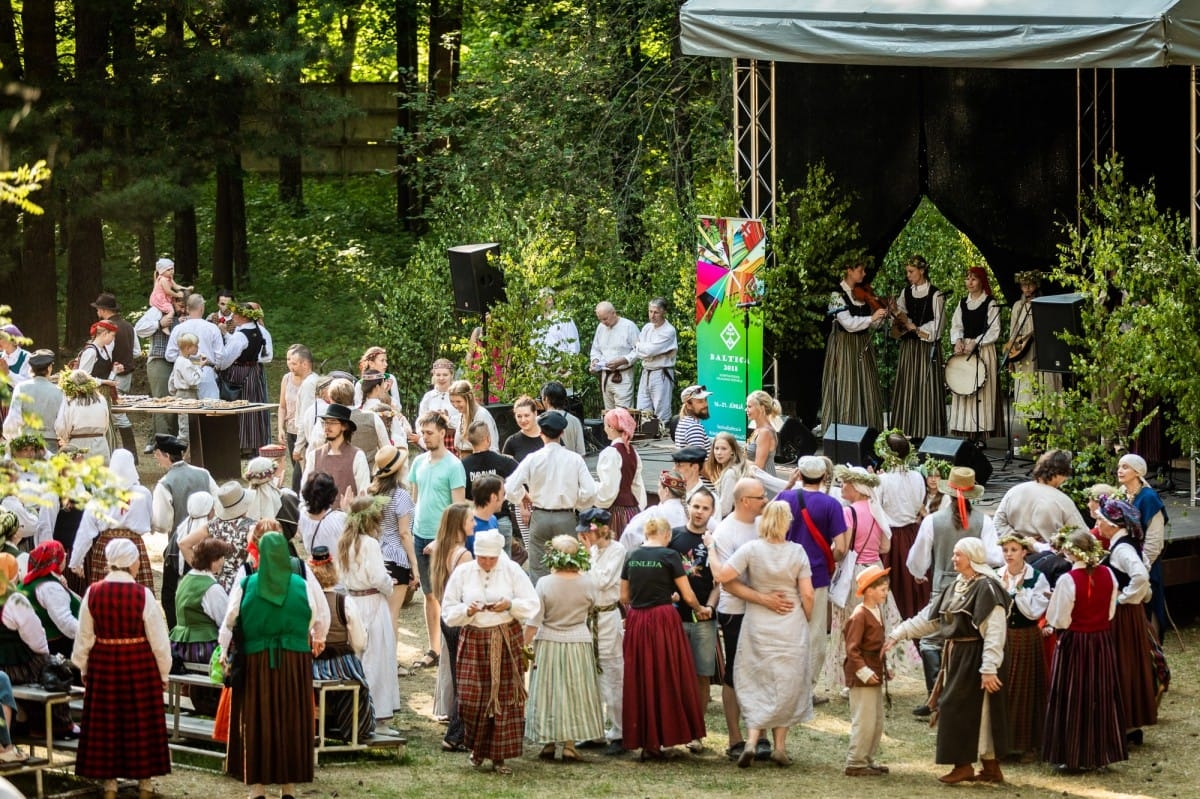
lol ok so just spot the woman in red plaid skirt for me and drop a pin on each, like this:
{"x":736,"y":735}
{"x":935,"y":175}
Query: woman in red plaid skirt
{"x":124,"y":653}
{"x":489,"y":599}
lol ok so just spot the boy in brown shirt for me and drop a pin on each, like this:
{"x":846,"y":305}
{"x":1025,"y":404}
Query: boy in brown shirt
{"x":865,"y":673}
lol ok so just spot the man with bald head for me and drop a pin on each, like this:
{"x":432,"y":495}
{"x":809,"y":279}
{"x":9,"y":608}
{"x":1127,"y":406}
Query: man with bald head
{"x":209,"y":343}
{"x":737,"y":529}
{"x":612,"y":356}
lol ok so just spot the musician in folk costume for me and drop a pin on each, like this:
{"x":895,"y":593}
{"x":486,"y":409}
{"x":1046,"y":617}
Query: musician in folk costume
{"x":974,"y":331}
{"x":919,"y":397}
{"x":1021,"y":351}
{"x":850,"y":381}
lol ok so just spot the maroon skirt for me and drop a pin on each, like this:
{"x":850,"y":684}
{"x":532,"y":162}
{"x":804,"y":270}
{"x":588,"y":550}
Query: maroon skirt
{"x":910,"y":595}
{"x":124,"y":722}
{"x":1085,"y":721}
{"x":491,"y":690}
{"x":1024,"y":678}
{"x":661,"y":704}
{"x":1135,"y":664}
{"x":621,"y":514}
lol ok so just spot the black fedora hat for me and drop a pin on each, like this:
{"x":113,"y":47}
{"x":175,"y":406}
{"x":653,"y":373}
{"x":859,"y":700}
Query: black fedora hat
{"x":341,"y":413}
{"x":106,"y":302}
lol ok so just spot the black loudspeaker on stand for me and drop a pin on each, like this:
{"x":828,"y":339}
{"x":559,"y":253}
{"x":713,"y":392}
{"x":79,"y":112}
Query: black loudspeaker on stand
{"x":958,"y":452}
{"x":1052,"y":316}
{"x":477,"y":281}
{"x":850,"y":443}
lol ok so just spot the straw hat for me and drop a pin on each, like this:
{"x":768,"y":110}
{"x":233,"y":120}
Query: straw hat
{"x":961,"y":480}
{"x":870,"y":575}
{"x":234,"y":501}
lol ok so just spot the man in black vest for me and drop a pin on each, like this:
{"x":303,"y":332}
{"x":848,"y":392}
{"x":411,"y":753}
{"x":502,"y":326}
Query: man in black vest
{"x":126,"y":348}
{"x":170,"y":508}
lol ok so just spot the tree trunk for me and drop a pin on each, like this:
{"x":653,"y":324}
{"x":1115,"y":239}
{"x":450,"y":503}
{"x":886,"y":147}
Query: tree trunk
{"x":10,"y":54}
{"x":222,"y":270}
{"x":36,"y":278}
{"x":681,"y":123}
{"x":445,"y":43}
{"x":186,"y":250}
{"x":291,"y":176}
{"x":237,"y":224}
{"x":85,"y":257}
{"x":625,"y":155}
{"x":408,"y":198}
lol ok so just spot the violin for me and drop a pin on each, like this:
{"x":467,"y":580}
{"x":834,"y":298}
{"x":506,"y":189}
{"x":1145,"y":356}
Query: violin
{"x":863,"y":293}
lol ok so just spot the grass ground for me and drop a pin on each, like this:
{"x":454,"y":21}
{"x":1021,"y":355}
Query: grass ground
{"x":1166,"y":767}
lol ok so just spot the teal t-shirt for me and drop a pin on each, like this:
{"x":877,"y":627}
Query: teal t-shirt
{"x":434,"y":482}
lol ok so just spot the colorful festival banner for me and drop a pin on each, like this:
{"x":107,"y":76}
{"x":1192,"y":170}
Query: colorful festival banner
{"x":729,"y":338}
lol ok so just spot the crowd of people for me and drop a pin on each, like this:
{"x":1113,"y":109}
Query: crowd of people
{"x":561,"y":608}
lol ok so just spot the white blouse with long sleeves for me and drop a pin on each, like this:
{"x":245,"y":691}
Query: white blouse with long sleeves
{"x":1062,"y":601}
{"x":931,"y":330}
{"x":608,"y":474}
{"x":318,"y":625}
{"x":19,"y":616}
{"x":1128,"y":561}
{"x":56,"y":599}
{"x":1032,"y":601}
{"x":990,"y":335}
{"x":365,"y":569}
{"x":152,"y":619}
{"x":470,"y":583}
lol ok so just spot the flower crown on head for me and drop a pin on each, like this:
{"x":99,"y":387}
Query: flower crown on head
{"x":936,"y":466}
{"x":246,"y":311}
{"x":72,"y":387}
{"x":890,"y":459}
{"x":557,"y":559}
{"x":25,"y":441}
{"x":1031,"y":276}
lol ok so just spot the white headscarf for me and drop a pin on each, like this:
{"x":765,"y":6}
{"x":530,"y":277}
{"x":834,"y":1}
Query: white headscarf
{"x":975,"y":551}
{"x":122,"y":467}
{"x":870,"y":492}
{"x":121,"y":553}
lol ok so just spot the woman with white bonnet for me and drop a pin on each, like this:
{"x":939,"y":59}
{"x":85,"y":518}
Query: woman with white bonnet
{"x":125,"y":656}
{"x":490,"y":598}
{"x":130,"y":521}
{"x":971,"y":615}
{"x":263,"y":494}
{"x":201,"y":508}
{"x":1131,"y":474}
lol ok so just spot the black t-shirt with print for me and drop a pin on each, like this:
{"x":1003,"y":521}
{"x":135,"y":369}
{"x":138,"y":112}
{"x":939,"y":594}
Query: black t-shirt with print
{"x":651,"y":572}
{"x":694,"y":554}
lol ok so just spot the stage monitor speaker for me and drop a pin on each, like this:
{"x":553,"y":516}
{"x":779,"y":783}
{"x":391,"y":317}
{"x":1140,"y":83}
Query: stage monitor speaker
{"x":477,"y":281}
{"x":958,"y":452}
{"x":795,"y":440}
{"x":1052,"y":316}
{"x":850,"y":443}
{"x":506,"y":425}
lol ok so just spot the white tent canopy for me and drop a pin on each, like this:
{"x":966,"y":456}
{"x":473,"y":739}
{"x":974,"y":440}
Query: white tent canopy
{"x":1028,"y":34}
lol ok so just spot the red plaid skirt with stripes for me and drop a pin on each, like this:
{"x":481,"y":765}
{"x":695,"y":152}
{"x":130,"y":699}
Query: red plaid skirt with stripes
{"x":490,"y":657}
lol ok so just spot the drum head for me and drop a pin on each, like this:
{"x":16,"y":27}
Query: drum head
{"x":965,"y":374}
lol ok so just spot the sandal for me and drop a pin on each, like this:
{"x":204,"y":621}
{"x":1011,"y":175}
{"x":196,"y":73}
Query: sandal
{"x":429,"y":659}
{"x":502,"y":769}
{"x":13,"y":755}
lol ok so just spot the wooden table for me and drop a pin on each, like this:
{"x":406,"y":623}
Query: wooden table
{"x":214,"y":443}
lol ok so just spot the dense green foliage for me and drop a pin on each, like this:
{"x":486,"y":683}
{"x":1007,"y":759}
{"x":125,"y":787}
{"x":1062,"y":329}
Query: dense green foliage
{"x":1140,"y":339}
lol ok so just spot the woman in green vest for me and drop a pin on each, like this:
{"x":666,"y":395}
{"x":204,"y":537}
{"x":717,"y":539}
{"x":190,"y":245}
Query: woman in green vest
{"x":200,"y":607}
{"x":57,"y":607}
{"x":271,"y":720}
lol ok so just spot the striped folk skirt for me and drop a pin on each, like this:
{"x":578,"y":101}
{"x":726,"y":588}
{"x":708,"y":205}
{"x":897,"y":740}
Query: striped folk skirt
{"x":271,"y":726}
{"x":621,"y":514}
{"x":491,"y":690}
{"x":850,"y":381}
{"x":976,"y":413}
{"x":1135,"y":664}
{"x":1024,"y":676}
{"x":919,"y":397}
{"x":254,"y":429}
{"x":564,"y":695}
{"x":661,"y":706}
{"x":339,"y":707}
{"x":1085,"y":720}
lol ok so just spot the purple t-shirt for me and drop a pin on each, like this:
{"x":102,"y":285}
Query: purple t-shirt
{"x":826,"y":513}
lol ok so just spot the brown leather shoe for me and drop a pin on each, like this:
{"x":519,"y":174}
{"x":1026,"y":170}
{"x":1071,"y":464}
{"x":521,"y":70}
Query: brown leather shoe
{"x":990,"y":772}
{"x":862,"y":771}
{"x":961,"y":773}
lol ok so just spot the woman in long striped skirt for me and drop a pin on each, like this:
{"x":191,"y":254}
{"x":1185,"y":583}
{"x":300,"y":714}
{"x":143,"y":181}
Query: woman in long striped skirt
{"x":619,"y":469}
{"x":850,"y":379}
{"x":1024,"y":668}
{"x":564,"y":696}
{"x":345,"y":642}
{"x":1085,"y":722}
{"x":919,"y":396}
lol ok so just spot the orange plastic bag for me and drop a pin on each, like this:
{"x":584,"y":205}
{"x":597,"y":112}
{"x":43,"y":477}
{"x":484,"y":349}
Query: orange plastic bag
{"x":221,"y":722}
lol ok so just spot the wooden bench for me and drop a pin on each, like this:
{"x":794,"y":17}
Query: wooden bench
{"x":58,"y":754}
{"x":185,"y":727}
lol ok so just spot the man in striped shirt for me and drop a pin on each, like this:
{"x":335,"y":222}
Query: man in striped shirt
{"x":690,"y":432}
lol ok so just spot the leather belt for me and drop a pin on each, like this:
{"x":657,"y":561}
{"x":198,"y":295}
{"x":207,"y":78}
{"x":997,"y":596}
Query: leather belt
{"x":121,"y":641}
{"x":554,"y":510}
{"x":364,"y":592}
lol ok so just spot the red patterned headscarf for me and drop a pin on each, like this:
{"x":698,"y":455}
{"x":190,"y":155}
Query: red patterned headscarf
{"x":982,"y":276}
{"x":46,"y":558}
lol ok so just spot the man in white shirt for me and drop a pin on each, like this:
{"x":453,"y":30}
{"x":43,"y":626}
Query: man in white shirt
{"x":737,"y":529}
{"x":612,"y":356}
{"x":209,"y":343}
{"x":37,"y":401}
{"x":559,"y":484}
{"x":296,"y":405}
{"x":656,"y":347}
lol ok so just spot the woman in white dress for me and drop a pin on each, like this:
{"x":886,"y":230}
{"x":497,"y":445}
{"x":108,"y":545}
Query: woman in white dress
{"x":607,"y":558}
{"x":974,"y":331}
{"x":83,"y":417}
{"x":360,"y":559}
{"x":771,"y":677}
